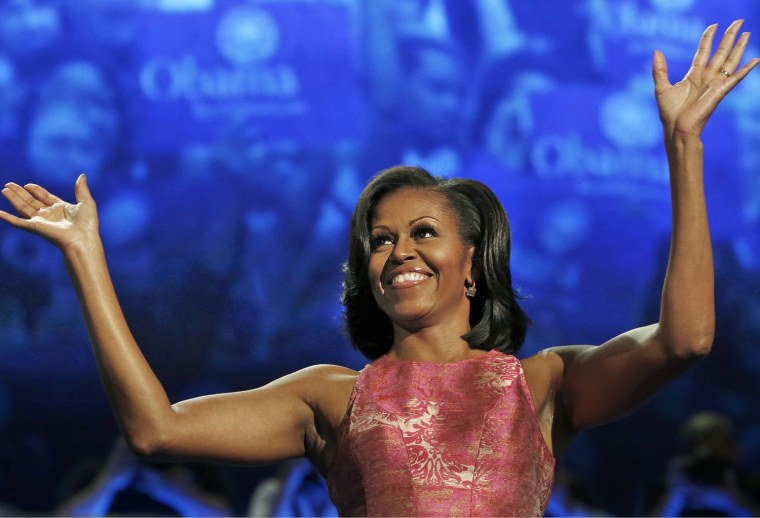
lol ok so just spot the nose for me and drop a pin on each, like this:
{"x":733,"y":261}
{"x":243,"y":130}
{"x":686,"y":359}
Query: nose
{"x":403,"y":250}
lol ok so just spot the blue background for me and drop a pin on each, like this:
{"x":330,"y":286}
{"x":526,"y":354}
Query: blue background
{"x":226,"y":142}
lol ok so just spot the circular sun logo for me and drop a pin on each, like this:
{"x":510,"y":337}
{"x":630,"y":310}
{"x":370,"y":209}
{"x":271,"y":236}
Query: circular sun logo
{"x":247,"y":35}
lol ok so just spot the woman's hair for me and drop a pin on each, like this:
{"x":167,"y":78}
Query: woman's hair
{"x":496,"y":320}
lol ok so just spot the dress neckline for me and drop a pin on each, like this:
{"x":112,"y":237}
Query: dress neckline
{"x":487,"y":354}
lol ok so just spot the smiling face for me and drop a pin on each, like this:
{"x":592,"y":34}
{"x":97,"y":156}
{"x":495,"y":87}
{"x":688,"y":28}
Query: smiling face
{"x":419,"y":268}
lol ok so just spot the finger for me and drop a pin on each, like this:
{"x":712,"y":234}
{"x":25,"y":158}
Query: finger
{"x":736,"y":55}
{"x":705,"y":46}
{"x":742,"y":73}
{"x":725,"y":46}
{"x":42,"y":194}
{"x":81,"y":190}
{"x":21,"y":200}
{"x":17,"y":222}
{"x":660,"y":71}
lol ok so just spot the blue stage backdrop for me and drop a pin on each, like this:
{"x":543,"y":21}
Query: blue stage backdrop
{"x":226,"y":142}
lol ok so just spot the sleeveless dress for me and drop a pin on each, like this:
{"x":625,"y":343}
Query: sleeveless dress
{"x":441,"y":439}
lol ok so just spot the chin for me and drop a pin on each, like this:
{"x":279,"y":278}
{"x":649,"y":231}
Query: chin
{"x":405,"y":316}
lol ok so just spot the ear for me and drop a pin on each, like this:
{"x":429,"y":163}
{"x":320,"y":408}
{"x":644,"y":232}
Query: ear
{"x":474,"y":272}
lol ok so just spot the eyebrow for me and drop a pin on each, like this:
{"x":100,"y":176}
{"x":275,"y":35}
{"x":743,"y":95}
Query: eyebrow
{"x":415,"y":220}
{"x":411,"y":222}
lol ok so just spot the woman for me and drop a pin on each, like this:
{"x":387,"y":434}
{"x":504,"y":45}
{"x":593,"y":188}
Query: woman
{"x":443,"y":421}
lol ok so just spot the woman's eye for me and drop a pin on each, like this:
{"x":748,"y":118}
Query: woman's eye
{"x":423,"y":232}
{"x":380,"y":240}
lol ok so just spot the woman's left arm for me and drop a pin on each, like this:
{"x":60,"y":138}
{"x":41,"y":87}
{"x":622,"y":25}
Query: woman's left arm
{"x":602,"y":383}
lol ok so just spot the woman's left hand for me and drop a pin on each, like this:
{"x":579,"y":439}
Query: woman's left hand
{"x":686,"y":106}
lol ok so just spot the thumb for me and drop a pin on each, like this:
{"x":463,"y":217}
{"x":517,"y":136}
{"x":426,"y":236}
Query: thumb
{"x":81,"y":190}
{"x":660,"y":71}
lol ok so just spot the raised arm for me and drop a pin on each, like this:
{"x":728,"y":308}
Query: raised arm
{"x":274,"y":422}
{"x":598,"y":384}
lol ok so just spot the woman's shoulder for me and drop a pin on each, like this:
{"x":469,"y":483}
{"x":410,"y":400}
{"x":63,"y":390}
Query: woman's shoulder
{"x":327,"y":372}
{"x":327,"y":390}
{"x":543,"y":372}
{"x":326,"y":387}
{"x":545,"y":362}
{"x":552,"y":361}
{"x":320,"y":380}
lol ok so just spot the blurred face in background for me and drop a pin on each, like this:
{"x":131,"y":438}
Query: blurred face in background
{"x":278,"y":173}
{"x":62,"y":144}
{"x":28,"y":26}
{"x":434,"y":97}
{"x":283,"y":171}
{"x":74,"y":127}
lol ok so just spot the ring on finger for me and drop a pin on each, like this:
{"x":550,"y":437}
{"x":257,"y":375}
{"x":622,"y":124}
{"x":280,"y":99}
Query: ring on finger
{"x":725,"y":72}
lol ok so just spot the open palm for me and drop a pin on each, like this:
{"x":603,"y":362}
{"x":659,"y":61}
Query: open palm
{"x":46,"y":215}
{"x":686,"y":106}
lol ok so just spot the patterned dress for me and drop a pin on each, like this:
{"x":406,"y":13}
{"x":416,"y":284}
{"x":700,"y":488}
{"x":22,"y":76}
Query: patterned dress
{"x":441,"y":439}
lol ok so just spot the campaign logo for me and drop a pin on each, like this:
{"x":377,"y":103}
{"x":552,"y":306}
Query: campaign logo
{"x":247,"y":38}
{"x":281,"y":64}
{"x":668,"y":20}
{"x":247,"y":35}
{"x":615,"y":151}
{"x":625,"y":33}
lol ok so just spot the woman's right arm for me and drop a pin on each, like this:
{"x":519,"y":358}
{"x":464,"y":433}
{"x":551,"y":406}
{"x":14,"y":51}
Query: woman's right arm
{"x":274,"y":422}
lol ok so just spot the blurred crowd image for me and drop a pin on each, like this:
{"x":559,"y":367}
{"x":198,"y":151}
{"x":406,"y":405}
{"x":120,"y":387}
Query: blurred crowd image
{"x":226,"y":143}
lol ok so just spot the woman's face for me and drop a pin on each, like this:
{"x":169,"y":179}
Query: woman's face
{"x":418,"y":267}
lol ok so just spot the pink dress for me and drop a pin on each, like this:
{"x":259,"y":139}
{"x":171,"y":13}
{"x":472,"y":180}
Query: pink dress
{"x":441,"y":439}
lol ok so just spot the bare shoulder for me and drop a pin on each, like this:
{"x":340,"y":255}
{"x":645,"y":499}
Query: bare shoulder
{"x":321,"y":386}
{"x":544,"y":371}
{"x":326,"y":389}
{"x":316,"y":373}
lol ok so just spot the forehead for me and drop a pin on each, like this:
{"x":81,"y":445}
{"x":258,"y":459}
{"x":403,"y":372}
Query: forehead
{"x":409,"y":204}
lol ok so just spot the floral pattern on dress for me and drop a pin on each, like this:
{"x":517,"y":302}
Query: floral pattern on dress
{"x":459,"y":439}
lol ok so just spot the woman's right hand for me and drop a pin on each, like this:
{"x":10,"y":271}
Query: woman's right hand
{"x":66,"y":225}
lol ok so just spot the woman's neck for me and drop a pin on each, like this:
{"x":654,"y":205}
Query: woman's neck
{"x":431,"y":345}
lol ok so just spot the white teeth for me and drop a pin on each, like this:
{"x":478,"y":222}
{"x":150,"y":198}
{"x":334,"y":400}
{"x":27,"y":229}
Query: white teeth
{"x":406,"y":277}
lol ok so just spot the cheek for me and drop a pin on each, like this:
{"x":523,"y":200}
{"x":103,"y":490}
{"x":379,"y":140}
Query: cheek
{"x":375,"y":271}
{"x":453,"y":269}
{"x":448,"y":263}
